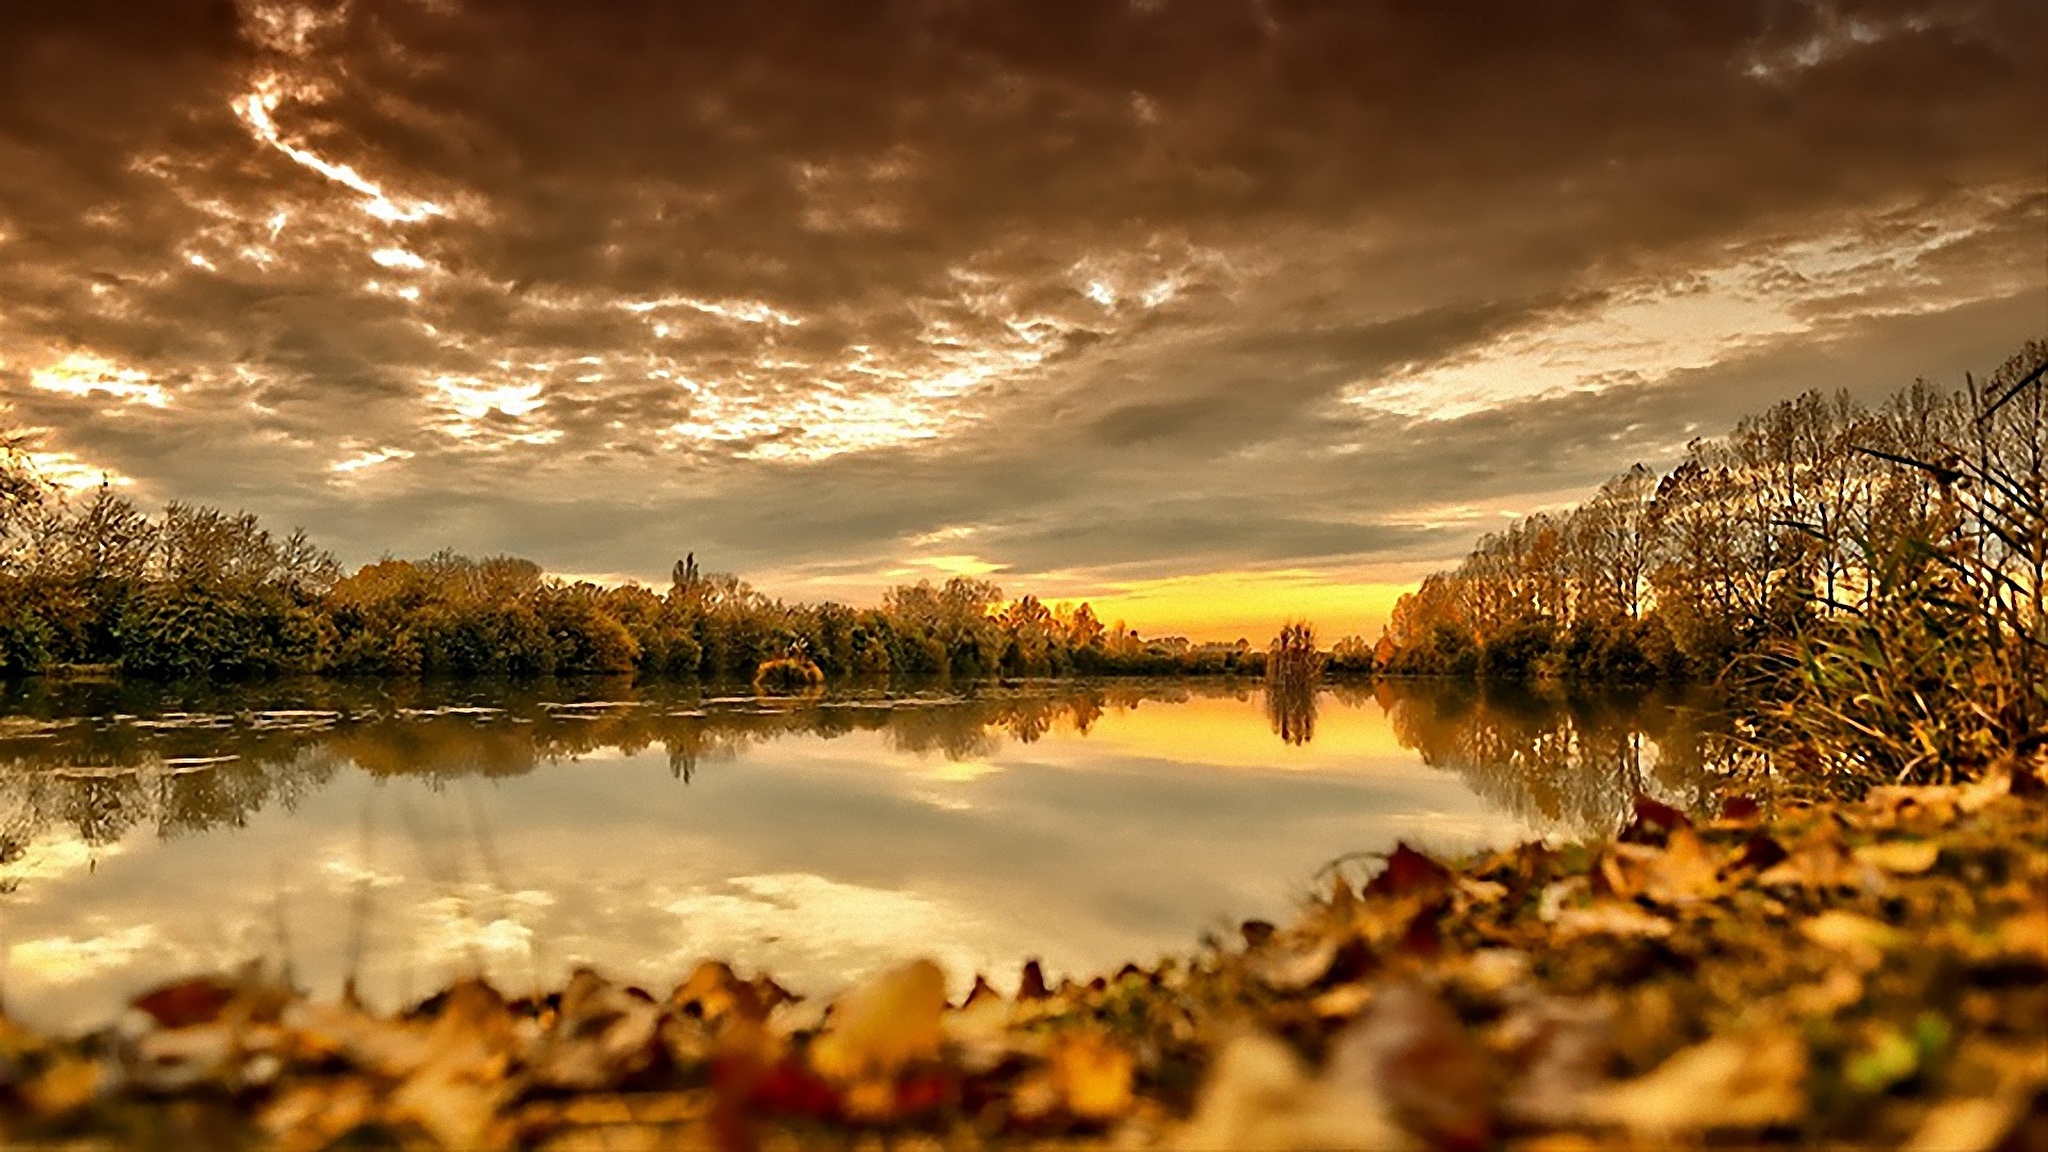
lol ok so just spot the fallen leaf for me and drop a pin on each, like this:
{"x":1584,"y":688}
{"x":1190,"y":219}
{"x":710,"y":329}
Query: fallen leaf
{"x":1901,"y":857}
{"x":1093,"y":1074}
{"x":1258,"y":1096}
{"x":1822,"y":862}
{"x":1610,"y":918}
{"x":602,"y":1036}
{"x":1683,"y":873}
{"x":1840,"y":988}
{"x":1653,"y":820}
{"x":1408,"y":873}
{"x":1860,"y":940}
{"x":1977,"y":1125}
{"x":187,"y":1002}
{"x":174,"y":1059}
{"x":1563,"y":1048}
{"x":885,"y":1024}
{"x":315,"y":1115}
{"x":2025,"y":937}
{"x":456,"y":1110}
{"x":1411,"y":1052}
{"x":67,"y":1085}
{"x":1742,"y":1082}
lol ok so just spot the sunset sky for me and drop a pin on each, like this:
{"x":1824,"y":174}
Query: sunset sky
{"x":1212,"y":311}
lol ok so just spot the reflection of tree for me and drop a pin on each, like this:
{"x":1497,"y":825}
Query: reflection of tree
{"x":1291,"y":709}
{"x":1556,"y":758}
{"x":185,"y":760}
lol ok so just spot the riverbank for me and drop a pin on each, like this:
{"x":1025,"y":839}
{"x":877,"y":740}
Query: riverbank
{"x":1868,"y":972}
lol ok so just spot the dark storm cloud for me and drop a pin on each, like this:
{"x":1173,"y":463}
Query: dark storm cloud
{"x":1100,"y":284}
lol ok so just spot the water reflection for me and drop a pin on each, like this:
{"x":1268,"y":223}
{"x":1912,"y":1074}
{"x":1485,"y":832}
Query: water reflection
{"x":1563,"y":761}
{"x":1291,"y":710}
{"x":522,"y":829}
{"x":1571,"y":760}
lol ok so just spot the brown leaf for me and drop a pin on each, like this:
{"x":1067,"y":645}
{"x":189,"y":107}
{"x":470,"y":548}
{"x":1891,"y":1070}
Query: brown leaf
{"x":982,"y":990}
{"x":1409,"y":873}
{"x":602,"y":1036}
{"x":1654,"y":819}
{"x":1031,"y":985}
{"x":1740,"y":810}
{"x":1257,"y":1095}
{"x":457,"y":1111}
{"x":1562,"y":1049}
{"x":1411,"y":1052}
{"x":710,"y":993}
{"x":188,"y":1002}
{"x":315,"y":1115}
{"x":392,"y":1049}
{"x":472,"y":1036}
{"x":1824,"y":863}
{"x":1740,"y":1082}
{"x":1757,"y":853}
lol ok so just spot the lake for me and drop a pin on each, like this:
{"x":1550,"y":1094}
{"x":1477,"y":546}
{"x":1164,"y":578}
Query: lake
{"x":411,"y":833}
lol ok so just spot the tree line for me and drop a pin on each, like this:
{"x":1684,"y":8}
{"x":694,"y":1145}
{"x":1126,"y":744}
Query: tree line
{"x":192,"y":592}
{"x":1820,"y":515}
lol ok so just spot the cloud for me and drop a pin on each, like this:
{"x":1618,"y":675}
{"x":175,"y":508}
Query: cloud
{"x":1144,"y":289}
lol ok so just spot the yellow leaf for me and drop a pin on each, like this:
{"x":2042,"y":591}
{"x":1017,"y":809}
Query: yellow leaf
{"x":1728,"y":1082}
{"x":1968,"y":1125}
{"x":883,"y":1025}
{"x":66,"y":1086}
{"x":1093,"y":1074}
{"x":1903,"y":857}
{"x":1611,"y":918}
{"x":1683,"y":873}
{"x":1859,"y":938}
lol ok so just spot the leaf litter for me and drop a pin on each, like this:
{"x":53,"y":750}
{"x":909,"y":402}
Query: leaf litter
{"x":1870,"y":973}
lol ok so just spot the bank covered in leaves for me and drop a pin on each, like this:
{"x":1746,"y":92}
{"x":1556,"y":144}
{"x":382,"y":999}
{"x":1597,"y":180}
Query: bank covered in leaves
{"x":1866,"y":973}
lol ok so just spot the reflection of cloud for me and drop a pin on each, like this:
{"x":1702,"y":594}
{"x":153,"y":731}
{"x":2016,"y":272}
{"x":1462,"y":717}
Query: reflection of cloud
{"x":453,"y":933}
{"x":51,"y":857}
{"x":63,"y":960}
{"x":809,"y":923}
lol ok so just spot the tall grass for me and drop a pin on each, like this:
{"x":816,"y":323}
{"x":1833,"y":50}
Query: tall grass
{"x":1939,"y":669}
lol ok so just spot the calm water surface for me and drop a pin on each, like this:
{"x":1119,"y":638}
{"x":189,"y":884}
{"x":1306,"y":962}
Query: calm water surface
{"x":413,"y":834}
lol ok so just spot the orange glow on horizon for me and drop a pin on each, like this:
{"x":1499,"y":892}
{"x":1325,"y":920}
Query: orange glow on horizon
{"x":1204,"y":607}
{"x":1226,"y":606}
{"x":1231,"y":733}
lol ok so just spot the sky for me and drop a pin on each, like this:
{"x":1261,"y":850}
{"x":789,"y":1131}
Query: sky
{"x":1213,"y":312}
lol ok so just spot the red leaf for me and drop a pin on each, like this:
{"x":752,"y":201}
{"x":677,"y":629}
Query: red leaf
{"x":1653,"y":821}
{"x":1761,"y":852}
{"x":1740,"y":808}
{"x":1407,"y":872}
{"x":188,"y":1002}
